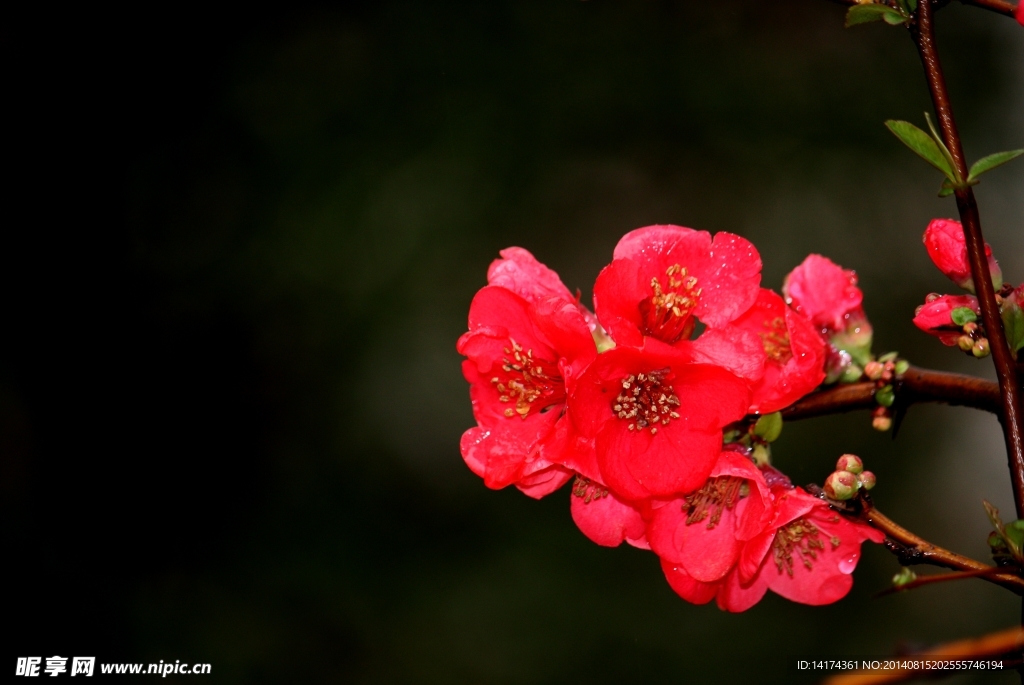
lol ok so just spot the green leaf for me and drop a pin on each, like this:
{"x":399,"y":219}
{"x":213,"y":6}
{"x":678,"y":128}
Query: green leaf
{"x":923,"y":144}
{"x":865,"y":14}
{"x":1015,"y":533}
{"x":1013,"y":324}
{"x":991,"y":162}
{"x":769,"y":427}
{"x":962,"y":315}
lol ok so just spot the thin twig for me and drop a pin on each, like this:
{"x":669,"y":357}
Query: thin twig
{"x":938,"y":578}
{"x":1005,"y":642}
{"x":998,"y":6}
{"x":915,"y":386}
{"x":1012,"y":410}
{"x":913,"y":549}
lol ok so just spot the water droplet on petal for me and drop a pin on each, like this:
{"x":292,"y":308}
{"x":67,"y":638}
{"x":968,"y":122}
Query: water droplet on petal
{"x":849,"y":563}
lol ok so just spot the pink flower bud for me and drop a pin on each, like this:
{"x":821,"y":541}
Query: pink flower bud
{"x":867,"y":480}
{"x":936,"y":317}
{"x":944,"y":239}
{"x":874,"y":370}
{"x":850,"y":463}
{"x":823,"y":291}
{"x":841,"y":485}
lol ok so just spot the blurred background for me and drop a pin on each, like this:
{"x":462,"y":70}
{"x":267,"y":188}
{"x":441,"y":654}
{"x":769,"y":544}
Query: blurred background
{"x":239,"y":248}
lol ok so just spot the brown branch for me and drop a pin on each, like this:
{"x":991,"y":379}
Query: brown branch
{"x":1003,"y":643}
{"x":1012,"y":409}
{"x":916,"y":385}
{"x":912,"y":549}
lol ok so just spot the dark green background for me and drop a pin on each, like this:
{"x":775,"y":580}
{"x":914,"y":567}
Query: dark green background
{"x":239,"y":248}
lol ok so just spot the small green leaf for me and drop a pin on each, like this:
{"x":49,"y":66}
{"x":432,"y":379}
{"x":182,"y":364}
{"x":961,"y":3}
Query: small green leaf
{"x":1013,"y":324}
{"x":991,"y":162}
{"x":769,"y":427}
{"x":962,"y":315}
{"x":889,"y":357}
{"x":885,"y":396}
{"x":904,"y":577}
{"x":865,"y":14}
{"x":1015,"y":533}
{"x":923,"y":144}
{"x":894,"y":18}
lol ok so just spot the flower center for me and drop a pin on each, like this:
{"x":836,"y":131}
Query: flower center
{"x":529,"y":383}
{"x":588,"y":490}
{"x":646,"y":400}
{"x":798,"y":541}
{"x":775,"y":340}
{"x":717,"y":495}
{"x":665,"y":315}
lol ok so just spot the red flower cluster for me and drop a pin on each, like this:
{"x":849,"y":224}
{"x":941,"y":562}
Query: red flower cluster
{"x":633,"y":403}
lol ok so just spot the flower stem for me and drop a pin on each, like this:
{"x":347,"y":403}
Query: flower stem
{"x":916,"y":385}
{"x":1012,"y":409}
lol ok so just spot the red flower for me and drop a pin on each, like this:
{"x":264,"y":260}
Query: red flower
{"x":806,"y":556}
{"x":704,"y":531}
{"x":794,"y":352}
{"x":522,"y":359}
{"x":824,"y":292}
{"x":605,"y":518}
{"x":657,"y":417}
{"x":935,"y":316}
{"x":944,"y":239}
{"x":664,"y":278}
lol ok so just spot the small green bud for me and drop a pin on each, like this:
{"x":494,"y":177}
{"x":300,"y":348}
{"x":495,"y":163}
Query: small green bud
{"x":888,"y":357}
{"x":963,"y":315}
{"x":902,"y":366}
{"x":761,"y":454}
{"x":965,"y":343}
{"x":851,"y":374}
{"x":885,"y":396}
{"x":850,"y":463}
{"x":867,"y":480}
{"x":730,"y":436}
{"x":841,"y":485}
{"x":1015,"y":532}
{"x":881,"y":423}
{"x":873,"y":370}
{"x":996,"y":542}
{"x":904,"y":577}
{"x":980,"y":350}
{"x":970,"y":327}
{"x":769,"y":427}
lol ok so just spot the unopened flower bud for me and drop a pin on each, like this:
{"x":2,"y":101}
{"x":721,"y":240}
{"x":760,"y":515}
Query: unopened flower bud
{"x":931,"y":297}
{"x":851,"y":374}
{"x":970,"y":327}
{"x":867,"y":480}
{"x":981,"y":349}
{"x":965,"y":343}
{"x":841,"y":485}
{"x":885,"y":396}
{"x":850,"y":463}
{"x":881,"y":423}
{"x":873,"y":370}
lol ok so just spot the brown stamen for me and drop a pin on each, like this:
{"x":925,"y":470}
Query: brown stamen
{"x":530,"y":383}
{"x":798,"y":540}
{"x":588,"y":490}
{"x":665,"y":315}
{"x":717,"y":495}
{"x":646,"y":401}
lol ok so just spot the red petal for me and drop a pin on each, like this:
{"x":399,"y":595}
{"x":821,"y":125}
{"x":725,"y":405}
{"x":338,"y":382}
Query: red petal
{"x":691,"y":590}
{"x":607,"y":520}
{"x":732,"y":348}
{"x":619,"y":289}
{"x":734,"y":596}
{"x":729,"y":279}
{"x":544,"y":482}
{"x":520,"y":272}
